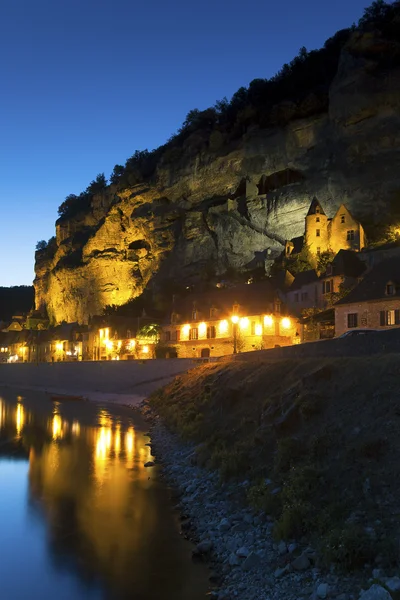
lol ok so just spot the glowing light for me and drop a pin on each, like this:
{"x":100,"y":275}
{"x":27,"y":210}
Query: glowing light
{"x":235,"y":319}
{"x":119,"y":344}
{"x":223,"y":326}
{"x":286,"y":323}
{"x":117,"y":440}
{"x":57,"y":427}
{"x":59,"y":346}
{"x":185,"y":330}
{"x":109,"y":344}
{"x":131,"y":344}
{"x":20,"y":418}
{"x":76,"y":428}
{"x":130,"y":447}
{"x":244,"y":323}
{"x":202,"y":329}
{"x":145,"y":349}
{"x":268,"y":321}
{"x":258,"y":329}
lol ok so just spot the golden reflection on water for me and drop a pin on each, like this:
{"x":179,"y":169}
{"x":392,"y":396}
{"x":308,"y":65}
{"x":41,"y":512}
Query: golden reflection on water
{"x":99,"y":501}
{"x":19,"y":418}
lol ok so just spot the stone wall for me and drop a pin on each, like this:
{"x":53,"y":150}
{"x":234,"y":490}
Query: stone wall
{"x":368,"y":314}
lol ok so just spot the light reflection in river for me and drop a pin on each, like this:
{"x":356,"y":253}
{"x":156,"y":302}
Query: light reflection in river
{"x":107,"y":518}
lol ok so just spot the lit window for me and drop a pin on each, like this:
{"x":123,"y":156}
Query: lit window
{"x":258,"y":329}
{"x":268,"y":321}
{"x":253,"y":328}
{"x":285,"y":323}
{"x":244,"y":323}
{"x":390,"y":317}
{"x":194,"y":334}
{"x":223,"y":326}
{"x":202,"y":329}
{"x":211,"y":333}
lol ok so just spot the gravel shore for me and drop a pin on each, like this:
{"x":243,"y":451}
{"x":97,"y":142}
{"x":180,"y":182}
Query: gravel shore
{"x":247,"y":562}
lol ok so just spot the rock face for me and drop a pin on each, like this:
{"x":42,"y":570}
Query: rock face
{"x":221,"y":210}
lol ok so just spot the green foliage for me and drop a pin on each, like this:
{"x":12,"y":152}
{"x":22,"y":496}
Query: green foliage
{"x":151,"y":331}
{"x":298,"y":512}
{"x":41,"y":245}
{"x":296,"y":263}
{"x":73,"y":205}
{"x":16,"y":300}
{"x":260,"y":497}
{"x":324,"y":259}
{"x":98,"y":185}
{"x":348,"y":547}
{"x":117,"y":173}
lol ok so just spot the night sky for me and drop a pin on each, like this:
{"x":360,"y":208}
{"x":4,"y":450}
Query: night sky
{"x":85,"y":83}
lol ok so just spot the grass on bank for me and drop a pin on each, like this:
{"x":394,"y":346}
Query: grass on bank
{"x":317,"y":439}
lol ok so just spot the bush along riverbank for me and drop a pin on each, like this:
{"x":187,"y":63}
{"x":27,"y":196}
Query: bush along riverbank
{"x":288,"y":473}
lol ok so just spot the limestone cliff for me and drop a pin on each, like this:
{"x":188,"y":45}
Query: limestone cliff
{"x":222,"y":209}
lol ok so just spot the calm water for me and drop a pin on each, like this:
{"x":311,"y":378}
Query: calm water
{"x":80,"y":516}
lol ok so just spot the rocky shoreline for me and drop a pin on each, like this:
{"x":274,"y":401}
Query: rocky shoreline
{"x":246,"y":561}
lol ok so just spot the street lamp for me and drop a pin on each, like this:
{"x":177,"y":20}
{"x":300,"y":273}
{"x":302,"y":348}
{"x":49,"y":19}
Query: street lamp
{"x":235,"y":321}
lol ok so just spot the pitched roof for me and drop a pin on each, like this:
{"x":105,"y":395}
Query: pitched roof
{"x":304,"y":278}
{"x":373,"y":286}
{"x":255,"y":298}
{"x":346,"y":263}
{"x":313,"y":206}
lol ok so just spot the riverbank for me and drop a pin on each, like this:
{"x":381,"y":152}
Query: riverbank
{"x":118,"y":382}
{"x":288,"y":472}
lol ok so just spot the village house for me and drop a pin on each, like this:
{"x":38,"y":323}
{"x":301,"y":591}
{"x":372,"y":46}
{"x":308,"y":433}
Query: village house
{"x":323,"y":234}
{"x":227,"y":321}
{"x":118,"y":337}
{"x":374,"y":303}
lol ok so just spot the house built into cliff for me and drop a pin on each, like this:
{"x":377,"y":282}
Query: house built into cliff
{"x":324,"y":234}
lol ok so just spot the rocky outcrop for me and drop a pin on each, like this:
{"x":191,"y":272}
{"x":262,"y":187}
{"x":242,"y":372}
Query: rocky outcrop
{"x":220,"y":210}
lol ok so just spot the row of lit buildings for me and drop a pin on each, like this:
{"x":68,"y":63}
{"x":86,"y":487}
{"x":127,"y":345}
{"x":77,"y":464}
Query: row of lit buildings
{"x":221,"y":321}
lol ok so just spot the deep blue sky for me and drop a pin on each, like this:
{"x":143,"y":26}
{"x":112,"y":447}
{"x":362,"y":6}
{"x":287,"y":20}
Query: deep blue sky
{"x":84,"y":83}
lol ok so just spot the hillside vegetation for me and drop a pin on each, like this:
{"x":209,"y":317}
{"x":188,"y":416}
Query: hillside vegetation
{"x":16,"y":300}
{"x":298,"y":90}
{"x":316,"y":440}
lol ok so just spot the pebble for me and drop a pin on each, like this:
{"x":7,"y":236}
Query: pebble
{"x":376,"y":592}
{"x":301,"y":563}
{"x":322,"y":590}
{"x":247,"y":564}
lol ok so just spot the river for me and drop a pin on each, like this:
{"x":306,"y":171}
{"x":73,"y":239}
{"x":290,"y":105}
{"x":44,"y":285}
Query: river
{"x":81,"y":517}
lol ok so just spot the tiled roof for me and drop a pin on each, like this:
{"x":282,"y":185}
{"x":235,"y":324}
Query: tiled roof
{"x":255,"y":298}
{"x":373,"y":286}
{"x":346,"y":263}
{"x":313,"y":206}
{"x":304,"y":278}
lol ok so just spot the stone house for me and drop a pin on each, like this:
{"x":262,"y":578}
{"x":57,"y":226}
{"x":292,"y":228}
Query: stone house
{"x":374,"y":303}
{"x":323,"y":234}
{"x":228,"y":320}
{"x":304,"y":292}
{"x":340,"y":275}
